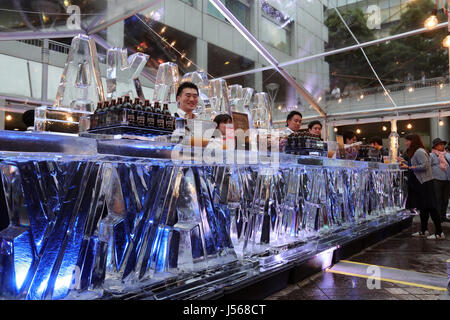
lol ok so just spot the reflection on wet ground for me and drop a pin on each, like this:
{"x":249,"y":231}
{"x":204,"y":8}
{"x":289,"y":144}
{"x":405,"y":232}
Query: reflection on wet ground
{"x":400,"y":251}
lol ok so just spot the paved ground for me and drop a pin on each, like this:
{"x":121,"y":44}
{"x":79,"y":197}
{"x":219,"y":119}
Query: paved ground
{"x":400,"y":251}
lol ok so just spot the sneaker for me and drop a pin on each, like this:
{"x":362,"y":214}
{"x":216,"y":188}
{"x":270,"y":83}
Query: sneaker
{"x":437,"y":236}
{"x":420,"y":234}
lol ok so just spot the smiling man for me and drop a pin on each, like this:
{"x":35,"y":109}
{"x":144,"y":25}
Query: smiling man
{"x":187,"y":99}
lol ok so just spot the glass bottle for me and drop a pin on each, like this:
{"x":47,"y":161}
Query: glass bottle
{"x":131,"y":118}
{"x":118,"y":110}
{"x":140,"y":115}
{"x":150,"y":120}
{"x":102,"y":114}
{"x":110,"y":113}
{"x":94,"y":117}
{"x":168,"y":117}
{"x":159,"y":116}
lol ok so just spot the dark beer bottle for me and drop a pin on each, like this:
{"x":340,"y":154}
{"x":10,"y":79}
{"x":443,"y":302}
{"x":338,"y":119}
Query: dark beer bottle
{"x":131,"y":118}
{"x":118,"y":110}
{"x":159,"y":116}
{"x":140,"y":115}
{"x":168,"y":117}
{"x":110,"y":114}
{"x":150,"y":120}
{"x":102,"y":114}
{"x":94,"y":117}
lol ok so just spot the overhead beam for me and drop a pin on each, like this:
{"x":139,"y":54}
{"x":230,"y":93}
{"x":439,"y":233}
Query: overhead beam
{"x":260,"y":48}
{"x":26,"y":35}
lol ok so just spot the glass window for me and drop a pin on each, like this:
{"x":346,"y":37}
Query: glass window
{"x":275,"y":35}
{"x":236,"y":7}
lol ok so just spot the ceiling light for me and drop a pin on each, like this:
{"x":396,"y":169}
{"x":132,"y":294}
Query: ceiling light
{"x":8,"y":117}
{"x":69,"y":118}
{"x":227,"y":62}
{"x":384,"y":128}
{"x":358,"y":131}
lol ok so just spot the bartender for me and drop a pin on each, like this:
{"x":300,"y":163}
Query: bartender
{"x":315,"y":127}
{"x":293,"y":123}
{"x":187,"y":99}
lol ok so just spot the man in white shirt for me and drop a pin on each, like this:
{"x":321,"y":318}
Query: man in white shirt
{"x":187,"y":99}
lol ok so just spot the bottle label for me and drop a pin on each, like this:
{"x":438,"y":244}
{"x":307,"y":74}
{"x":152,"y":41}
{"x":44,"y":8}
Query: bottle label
{"x":169,"y":123}
{"x":160,"y":122}
{"x":150,"y":120}
{"x":130,"y":116}
{"x":141,"y":119}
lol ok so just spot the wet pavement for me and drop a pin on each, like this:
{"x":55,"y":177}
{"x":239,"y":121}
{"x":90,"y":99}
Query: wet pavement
{"x":400,"y":251}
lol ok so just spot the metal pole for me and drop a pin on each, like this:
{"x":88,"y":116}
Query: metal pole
{"x":255,"y":43}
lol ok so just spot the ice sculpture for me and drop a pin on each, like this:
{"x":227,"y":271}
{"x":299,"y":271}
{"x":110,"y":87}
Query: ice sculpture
{"x":167,"y":80}
{"x":122,"y":71}
{"x":80,"y":87}
{"x":200,"y":79}
{"x":261,"y":114}
{"x":83,"y":228}
{"x":78,"y":92}
{"x":219,"y":97}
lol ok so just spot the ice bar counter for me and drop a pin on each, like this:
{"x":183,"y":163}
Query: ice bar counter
{"x":85,"y":218}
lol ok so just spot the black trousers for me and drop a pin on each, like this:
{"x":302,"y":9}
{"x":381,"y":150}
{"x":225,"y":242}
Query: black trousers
{"x":425,"y":215}
{"x":441,"y":190}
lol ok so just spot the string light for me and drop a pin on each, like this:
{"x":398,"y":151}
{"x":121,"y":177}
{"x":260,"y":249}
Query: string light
{"x":431,"y":22}
{"x":173,"y":43}
{"x":163,"y":30}
{"x":446,"y":42}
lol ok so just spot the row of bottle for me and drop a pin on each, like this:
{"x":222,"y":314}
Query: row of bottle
{"x":124,"y":112}
{"x":304,"y":140}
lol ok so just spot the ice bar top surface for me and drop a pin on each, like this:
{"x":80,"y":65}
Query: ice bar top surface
{"x":41,"y":144}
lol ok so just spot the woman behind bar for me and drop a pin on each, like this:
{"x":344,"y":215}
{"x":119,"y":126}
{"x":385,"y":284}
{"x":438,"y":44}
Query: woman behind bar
{"x":440,"y":168}
{"x":422,"y":192}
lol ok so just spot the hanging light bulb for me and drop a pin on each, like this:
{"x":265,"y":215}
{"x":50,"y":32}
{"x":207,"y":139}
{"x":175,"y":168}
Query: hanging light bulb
{"x":384,"y":128}
{"x":441,"y":123}
{"x":335,"y":129}
{"x":446,"y":42}
{"x":358,"y":131}
{"x":409,"y":126}
{"x":431,"y":22}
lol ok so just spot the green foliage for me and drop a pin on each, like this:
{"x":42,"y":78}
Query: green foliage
{"x":393,"y":60}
